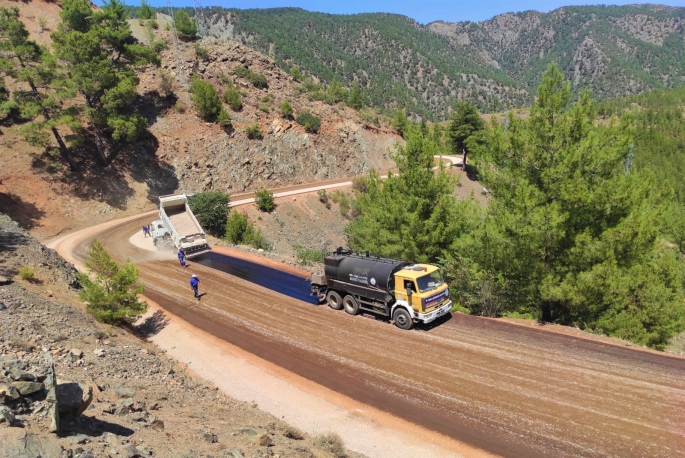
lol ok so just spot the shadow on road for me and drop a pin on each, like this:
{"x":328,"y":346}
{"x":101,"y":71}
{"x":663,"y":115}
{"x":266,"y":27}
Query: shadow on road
{"x":152,"y":325}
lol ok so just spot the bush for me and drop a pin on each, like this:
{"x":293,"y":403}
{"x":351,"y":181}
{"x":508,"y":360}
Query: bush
{"x":178,"y":106}
{"x":166,"y":84}
{"x":360,"y":184}
{"x":310,"y":122}
{"x":153,"y":23}
{"x":201,"y":52}
{"x":211,"y":210}
{"x":253,"y":132}
{"x":145,"y":11}
{"x":265,"y":200}
{"x":291,"y":432}
{"x":206,"y":99}
{"x":264,"y":107}
{"x":331,"y":443}
{"x":295,"y":73}
{"x":233,"y":99}
{"x":109,"y":289}
{"x":26,"y":273}
{"x":286,"y":110}
{"x":306,"y":256}
{"x":323,"y":198}
{"x":224,"y":120}
{"x":186,"y":28}
{"x":257,"y":80}
{"x":236,"y":226}
{"x":242,"y":232}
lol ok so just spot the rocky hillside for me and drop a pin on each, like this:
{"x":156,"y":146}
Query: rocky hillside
{"x":184,"y":153}
{"x":615,"y":51}
{"x":71,"y":387}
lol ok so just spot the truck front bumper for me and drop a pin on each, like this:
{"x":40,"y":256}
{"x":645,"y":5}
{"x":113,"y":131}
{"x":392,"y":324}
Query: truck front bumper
{"x":430,"y":316}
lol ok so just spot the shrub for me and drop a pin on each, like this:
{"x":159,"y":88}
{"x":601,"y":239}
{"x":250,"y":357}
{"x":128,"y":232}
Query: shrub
{"x":258,"y":80}
{"x":186,"y":28}
{"x":233,"y":99}
{"x":240,"y":231}
{"x":253,"y":131}
{"x":344,"y":206}
{"x":331,"y":443}
{"x":265,"y":200}
{"x":53,"y":167}
{"x":291,"y":432}
{"x":109,"y":289}
{"x":206,"y":99}
{"x":306,"y":256}
{"x":145,"y":11}
{"x":360,"y":184}
{"x":264,"y":107}
{"x":224,"y":120}
{"x":166,"y":84}
{"x":236,"y":226}
{"x":310,"y":122}
{"x":286,"y":109}
{"x":323,"y":198}
{"x":178,"y":106}
{"x":153,"y":23}
{"x":295,"y":73}
{"x":211,"y":210}
{"x":26,"y":273}
{"x":201,"y":52}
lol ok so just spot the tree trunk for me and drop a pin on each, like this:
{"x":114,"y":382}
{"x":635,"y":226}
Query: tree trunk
{"x":63,"y":148}
{"x":463,"y":160}
{"x":101,"y":149}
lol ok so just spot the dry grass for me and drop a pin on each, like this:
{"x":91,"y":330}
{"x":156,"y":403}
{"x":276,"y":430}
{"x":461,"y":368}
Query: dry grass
{"x":677,"y":344}
{"x":24,"y":345}
{"x":291,"y":432}
{"x":331,"y":443}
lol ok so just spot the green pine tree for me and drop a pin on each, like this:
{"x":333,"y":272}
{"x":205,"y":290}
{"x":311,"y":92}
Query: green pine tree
{"x":185,"y":27}
{"x":465,"y":123}
{"x":354,"y":99}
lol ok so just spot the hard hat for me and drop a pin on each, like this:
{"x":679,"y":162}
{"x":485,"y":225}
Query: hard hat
{"x":194,"y":276}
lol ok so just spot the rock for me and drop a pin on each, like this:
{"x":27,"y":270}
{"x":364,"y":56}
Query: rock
{"x":5,"y":280}
{"x":78,"y":439}
{"x":20,"y":443}
{"x":124,"y":392}
{"x":111,"y":438}
{"x":210,"y":437}
{"x":157,"y":425}
{"x":235,"y":453}
{"x":75,"y":354}
{"x":247,"y":431}
{"x":130,"y":451}
{"x":143,"y":449}
{"x":99,"y":352}
{"x":53,"y":412}
{"x":25,"y":388}
{"x":2,"y":306}
{"x":265,"y":440}
{"x":18,"y":374}
{"x":8,"y":416}
{"x":73,"y":398}
{"x":8,"y":393}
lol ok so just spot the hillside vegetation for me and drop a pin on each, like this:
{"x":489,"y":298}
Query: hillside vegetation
{"x":615,"y":51}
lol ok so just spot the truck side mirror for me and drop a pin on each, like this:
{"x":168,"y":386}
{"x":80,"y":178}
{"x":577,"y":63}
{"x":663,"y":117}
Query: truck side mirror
{"x":408,"y":291}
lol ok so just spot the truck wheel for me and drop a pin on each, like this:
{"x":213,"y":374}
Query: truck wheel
{"x":351,"y":305}
{"x":334,"y":300}
{"x":402,"y":318}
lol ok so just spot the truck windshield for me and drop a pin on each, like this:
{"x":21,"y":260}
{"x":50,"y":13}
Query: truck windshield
{"x":430,"y":281}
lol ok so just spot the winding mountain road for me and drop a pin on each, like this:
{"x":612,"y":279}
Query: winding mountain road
{"x":510,"y":390}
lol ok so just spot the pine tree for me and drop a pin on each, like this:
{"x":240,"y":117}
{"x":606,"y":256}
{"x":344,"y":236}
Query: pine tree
{"x":354,"y":100}
{"x":185,"y":27}
{"x":206,"y":99}
{"x":25,"y":61}
{"x":465,"y":122}
{"x":400,"y":122}
{"x":100,"y":56}
{"x":145,"y":11}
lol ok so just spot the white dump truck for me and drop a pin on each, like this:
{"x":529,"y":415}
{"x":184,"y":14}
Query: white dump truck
{"x":178,"y":227}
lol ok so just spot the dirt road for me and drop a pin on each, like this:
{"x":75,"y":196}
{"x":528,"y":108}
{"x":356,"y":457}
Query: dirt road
{"x":506,"y":389}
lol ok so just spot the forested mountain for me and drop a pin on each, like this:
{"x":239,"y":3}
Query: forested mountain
{"x":615,"y":51}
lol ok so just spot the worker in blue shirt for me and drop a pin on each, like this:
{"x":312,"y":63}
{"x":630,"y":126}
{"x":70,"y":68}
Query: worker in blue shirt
{"x":194,"y":283}
{"x":182,"y":257}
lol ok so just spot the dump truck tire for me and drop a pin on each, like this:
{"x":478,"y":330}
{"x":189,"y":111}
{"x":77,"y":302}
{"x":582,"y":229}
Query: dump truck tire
{"x":334,"y":300}
{"x":351,"y":305}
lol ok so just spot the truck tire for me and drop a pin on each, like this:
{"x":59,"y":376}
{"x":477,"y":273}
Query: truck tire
{"x":334,"y":300}
{"x":402,"y":318}
{"x":351,"y":305}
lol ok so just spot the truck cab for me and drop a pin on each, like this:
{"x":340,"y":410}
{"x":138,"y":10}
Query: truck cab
{"x":422,"y":291}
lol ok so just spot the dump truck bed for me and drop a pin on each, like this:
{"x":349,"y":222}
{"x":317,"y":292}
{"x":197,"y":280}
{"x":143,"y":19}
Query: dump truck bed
{"x":183,"y":222}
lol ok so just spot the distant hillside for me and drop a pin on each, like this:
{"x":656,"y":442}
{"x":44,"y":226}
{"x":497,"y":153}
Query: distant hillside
{"x":615,"y":51}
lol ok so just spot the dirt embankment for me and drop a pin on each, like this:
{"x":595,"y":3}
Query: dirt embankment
{"x":182,"y":152}
{"x":144,"y":403}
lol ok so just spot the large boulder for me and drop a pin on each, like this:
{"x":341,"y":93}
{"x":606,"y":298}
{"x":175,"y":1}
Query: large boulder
{"x":8,"y":393}
{"x":25,"y":388}
{"x":73,"y":398}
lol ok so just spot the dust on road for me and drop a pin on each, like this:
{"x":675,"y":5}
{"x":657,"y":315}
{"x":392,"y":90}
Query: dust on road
{"x":506,"y":389}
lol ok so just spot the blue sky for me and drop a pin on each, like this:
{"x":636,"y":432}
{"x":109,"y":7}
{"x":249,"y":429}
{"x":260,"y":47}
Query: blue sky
{"x":423,"y":11}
